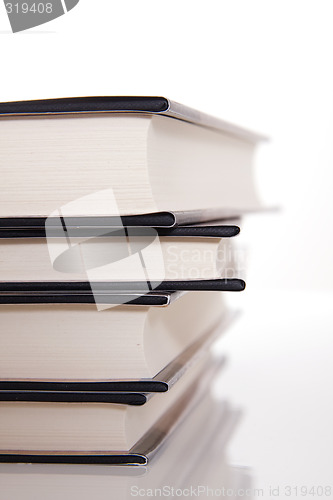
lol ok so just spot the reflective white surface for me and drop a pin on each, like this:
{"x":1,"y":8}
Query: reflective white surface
{"x":280,"y":373}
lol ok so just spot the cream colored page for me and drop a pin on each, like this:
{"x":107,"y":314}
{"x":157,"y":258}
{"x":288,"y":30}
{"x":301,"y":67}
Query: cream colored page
{"x":71,"y":342}
{"x":61,"y":426}
{"x":203,"y":168}
{"x":177,"y":326}
{"x":46,"y":162}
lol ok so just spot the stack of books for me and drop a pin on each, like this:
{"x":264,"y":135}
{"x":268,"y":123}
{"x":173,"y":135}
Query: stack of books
{"x":117,"y":221}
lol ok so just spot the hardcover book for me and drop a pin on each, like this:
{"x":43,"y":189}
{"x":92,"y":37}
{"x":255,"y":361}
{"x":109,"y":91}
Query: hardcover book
{"x":98,"y":433}
{"x":77,"y":343}
{"x":149,"y":150}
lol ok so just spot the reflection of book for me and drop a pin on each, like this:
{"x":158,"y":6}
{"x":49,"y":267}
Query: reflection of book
{"x":215,"y":474}
{"x":149,"y":150}
{"x":94,"y":348}
{"x":99,"y":433}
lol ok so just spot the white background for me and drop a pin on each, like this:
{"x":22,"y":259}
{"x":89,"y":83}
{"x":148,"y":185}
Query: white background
{"x":262,"y":64}
{"x":266,"y":65}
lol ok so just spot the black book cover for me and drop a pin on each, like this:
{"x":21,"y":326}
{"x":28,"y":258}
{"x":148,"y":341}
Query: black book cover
{"x":67,"y":290}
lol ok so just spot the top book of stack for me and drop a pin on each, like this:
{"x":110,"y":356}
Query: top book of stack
{"x":156,"y":156}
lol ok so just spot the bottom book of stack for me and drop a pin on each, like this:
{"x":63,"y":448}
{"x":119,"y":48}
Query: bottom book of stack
{"x":192,"y":461}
